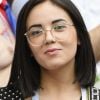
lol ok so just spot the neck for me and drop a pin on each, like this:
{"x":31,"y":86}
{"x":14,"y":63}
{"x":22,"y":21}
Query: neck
{"x":61,"y":78}
{"x":4,"y":76}
{"x":60,"y":83}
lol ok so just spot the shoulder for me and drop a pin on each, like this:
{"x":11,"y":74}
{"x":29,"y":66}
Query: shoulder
{"x":10,"y":92}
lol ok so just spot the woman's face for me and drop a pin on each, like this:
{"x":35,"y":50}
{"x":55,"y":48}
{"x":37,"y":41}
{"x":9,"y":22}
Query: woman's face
{"x":58,"y":47}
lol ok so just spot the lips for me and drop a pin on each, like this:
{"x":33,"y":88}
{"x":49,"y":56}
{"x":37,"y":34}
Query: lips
{"x":51,"y":50}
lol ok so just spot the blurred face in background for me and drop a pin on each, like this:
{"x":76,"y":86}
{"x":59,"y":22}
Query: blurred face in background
{"x":6,"y":52}
{"x":7,"y":42}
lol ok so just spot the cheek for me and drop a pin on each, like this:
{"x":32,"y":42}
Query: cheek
{"x":71,"y":38}
{"x":37,"y":53}
{"x":71,"y":42}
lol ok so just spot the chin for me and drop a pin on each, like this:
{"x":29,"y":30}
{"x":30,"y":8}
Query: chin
{"x":53,"y":66}
{"x":58,"y":64}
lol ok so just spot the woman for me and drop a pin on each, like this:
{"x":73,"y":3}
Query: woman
{"x":53,"y":52}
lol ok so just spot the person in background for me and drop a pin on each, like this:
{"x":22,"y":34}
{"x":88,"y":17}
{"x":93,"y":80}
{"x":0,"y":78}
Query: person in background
{"x":9,"y":89}
{"x":53,"y":52}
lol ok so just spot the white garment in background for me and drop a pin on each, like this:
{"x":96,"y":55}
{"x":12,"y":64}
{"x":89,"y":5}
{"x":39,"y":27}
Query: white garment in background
{"x":17,"y":5}
{"x":90,"y":10}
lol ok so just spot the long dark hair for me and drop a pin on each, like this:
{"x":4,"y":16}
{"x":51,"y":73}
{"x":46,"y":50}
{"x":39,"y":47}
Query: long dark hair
{"x":29,"y":70}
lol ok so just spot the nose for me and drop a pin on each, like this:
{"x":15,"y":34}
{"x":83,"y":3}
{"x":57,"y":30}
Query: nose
{"x":49,"y":38}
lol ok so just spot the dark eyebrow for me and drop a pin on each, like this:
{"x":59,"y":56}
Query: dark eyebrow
{"x":35,"y":25}
{"x":58,"y":20}
{"x":53,"y":22}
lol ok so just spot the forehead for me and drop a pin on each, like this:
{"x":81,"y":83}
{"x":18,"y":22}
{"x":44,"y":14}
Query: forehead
{"x":45,"y":13}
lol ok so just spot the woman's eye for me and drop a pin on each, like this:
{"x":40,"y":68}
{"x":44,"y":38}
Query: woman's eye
{"x":34,"y":33}
{"x":60,"y":27}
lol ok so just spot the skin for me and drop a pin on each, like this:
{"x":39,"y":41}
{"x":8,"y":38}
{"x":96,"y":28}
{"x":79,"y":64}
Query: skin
{"x":50,"y":59}
{"x":58,"y":65}
{"x":7,"y":43}
{"x":6,"y":49}
{"x":6,"y":56}
{"x":95,"y":39}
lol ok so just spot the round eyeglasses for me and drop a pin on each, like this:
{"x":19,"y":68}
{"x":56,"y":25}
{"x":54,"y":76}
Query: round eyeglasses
{"x":37,"y":35}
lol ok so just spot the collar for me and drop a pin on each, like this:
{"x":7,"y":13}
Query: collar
{"x":83,"y":91}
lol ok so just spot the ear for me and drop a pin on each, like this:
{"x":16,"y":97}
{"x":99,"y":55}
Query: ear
{"x":78,"y":42}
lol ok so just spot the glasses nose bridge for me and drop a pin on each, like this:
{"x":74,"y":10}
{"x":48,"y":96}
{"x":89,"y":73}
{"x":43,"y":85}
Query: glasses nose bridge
{"x":48,"y":34}
{"x":48,"y":31}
